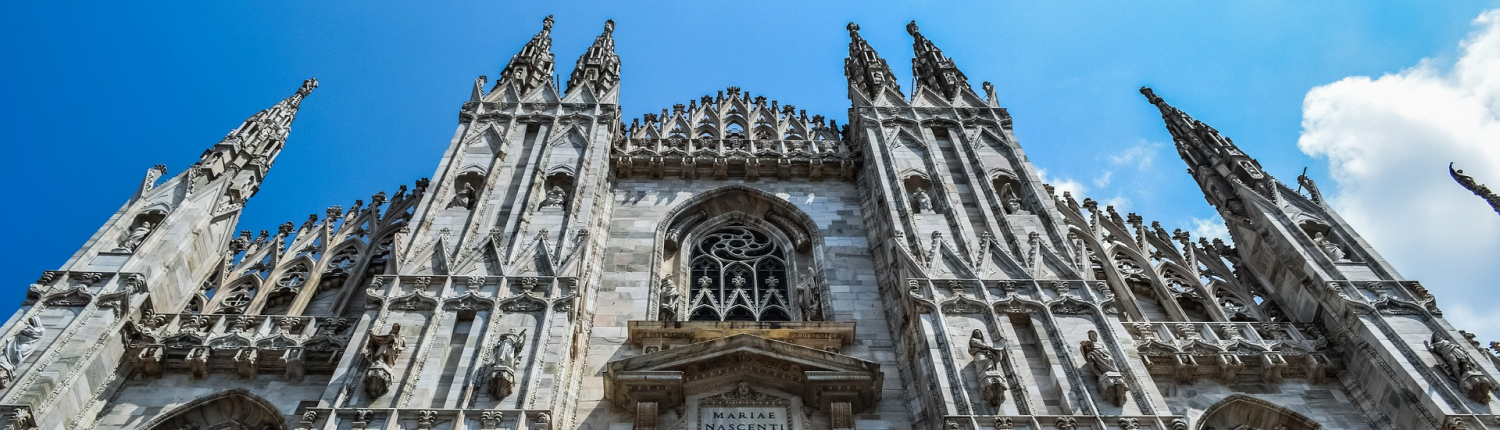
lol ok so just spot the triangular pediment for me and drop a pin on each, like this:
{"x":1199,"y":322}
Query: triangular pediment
{"x":710,"y":353}
{"x":821,"y":377}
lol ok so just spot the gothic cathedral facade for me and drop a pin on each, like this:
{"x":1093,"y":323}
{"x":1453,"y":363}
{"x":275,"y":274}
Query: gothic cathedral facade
{"x":732,"y":263}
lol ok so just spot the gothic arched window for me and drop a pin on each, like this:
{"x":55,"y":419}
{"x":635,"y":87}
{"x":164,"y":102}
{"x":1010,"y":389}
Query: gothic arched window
{"x":738,"y":274}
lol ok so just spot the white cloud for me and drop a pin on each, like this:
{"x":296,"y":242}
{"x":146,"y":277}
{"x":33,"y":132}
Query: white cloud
{"x":1141,"y":156}
{"x":1103,"y":180}
{"x":1121,"y":203}
{"x":1211,"y":228}
{"x":1388,"y":142}
{"x":1063,"y":184}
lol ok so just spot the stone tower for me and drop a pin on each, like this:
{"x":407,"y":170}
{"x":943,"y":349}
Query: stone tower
{"x":732,"y":263}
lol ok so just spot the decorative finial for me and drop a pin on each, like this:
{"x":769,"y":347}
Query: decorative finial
{"x":609,"y":26}
{"x":547,"y":23}
{"x":853,"y":29}
{"x":1150,"y":95}
{"x":307,"y":87}
{"x":911,"y":28}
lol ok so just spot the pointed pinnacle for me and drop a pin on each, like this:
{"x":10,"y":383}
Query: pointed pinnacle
{"x":532,"y":67}
{"x":599,"y":67}
{"x":933,"y":69}
{"x":864,"y":68}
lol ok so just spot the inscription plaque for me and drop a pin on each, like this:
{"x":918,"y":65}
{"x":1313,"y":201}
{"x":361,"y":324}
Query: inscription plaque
{"x":744,"y":418}
{"x":744,"y":409}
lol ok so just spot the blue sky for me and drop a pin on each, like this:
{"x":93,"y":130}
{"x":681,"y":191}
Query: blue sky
{"x":99,"y":93}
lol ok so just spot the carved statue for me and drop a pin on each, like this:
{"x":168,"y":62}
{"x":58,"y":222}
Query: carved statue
{"x":464,"y":197}
{"x":987,"y":360}
{"x":1012,"y":202}
{"x":1461,"y":367}
{"x":381,"y":351}
{"x":555,"y":197}
{"x":137,"y":235}
{"x":383,"y":348}
{"x":986,"y":357}
{"x":509,"y":348}
{"x":1328,"y":247}
{"x":1111,"y":383}
{"x":807,"y":301}
{"x":922,"y":200}
{"x":669,"y":295}
{"x":503,"y":372}
{"x":1451,"y":356}
{"x":18,"y":346}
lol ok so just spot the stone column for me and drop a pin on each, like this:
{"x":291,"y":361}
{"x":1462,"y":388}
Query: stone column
{"x":842,"y":415}
{"x":645,"y":416}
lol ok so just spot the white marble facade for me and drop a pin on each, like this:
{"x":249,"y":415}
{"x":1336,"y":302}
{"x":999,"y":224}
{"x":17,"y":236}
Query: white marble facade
{"x":731,"y":263}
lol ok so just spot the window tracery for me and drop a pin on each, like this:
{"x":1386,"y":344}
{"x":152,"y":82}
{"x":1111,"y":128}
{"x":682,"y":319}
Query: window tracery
{"x":738,"y":274}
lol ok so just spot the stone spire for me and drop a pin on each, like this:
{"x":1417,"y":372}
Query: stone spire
{"x":1212,"y":159}
{"x":599,"y":67}
{"x":932,"y":69}
{"x":259,"y":139}
{"x":532,"y":67}
{"x":865,"y":69}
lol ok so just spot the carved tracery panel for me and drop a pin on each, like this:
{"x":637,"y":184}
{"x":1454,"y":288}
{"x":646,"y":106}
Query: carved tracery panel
{"x":738,"y":274}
